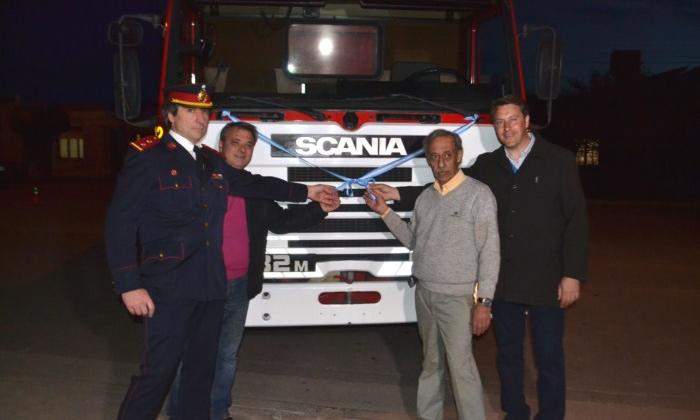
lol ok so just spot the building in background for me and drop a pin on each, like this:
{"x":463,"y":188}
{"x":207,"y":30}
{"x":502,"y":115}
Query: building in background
{"x":44,"y":142}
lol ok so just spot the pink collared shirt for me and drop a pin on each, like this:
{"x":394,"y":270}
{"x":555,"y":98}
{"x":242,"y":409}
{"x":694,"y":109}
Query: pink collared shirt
{"x":235,"y":244}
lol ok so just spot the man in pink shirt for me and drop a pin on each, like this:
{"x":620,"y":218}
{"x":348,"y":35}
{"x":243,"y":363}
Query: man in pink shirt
{"x":246,"y":224}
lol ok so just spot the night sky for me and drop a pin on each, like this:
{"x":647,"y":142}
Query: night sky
{"x":666,"y":31}
{"x":57,"y":52}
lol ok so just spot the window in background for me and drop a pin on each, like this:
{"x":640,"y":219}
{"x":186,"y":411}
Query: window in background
{"x":71,"y":148}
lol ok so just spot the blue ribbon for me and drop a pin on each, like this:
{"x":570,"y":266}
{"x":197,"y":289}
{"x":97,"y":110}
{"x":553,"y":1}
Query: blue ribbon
{"x":365,"y":179}
{"x":274,"y":144}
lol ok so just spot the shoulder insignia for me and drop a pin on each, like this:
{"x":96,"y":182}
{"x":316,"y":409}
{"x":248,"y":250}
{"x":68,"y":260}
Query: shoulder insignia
{"x":144,"y":143}
{"x":211,"y":150}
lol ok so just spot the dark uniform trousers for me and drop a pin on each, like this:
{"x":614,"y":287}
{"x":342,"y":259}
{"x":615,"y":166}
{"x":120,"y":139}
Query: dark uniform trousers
{"x":164,"y":232}
{"x":183,"y":330}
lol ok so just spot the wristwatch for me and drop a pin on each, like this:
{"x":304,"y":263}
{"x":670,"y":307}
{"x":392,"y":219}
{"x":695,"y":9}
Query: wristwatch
{"x":484,"y":301}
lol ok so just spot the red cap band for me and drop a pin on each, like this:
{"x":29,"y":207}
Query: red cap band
{"x":200,"y":99}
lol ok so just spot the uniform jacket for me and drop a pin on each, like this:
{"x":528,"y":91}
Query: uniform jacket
{"x":263,"y":215}
{"x":542,"y":221}
{"x":164,"y":226}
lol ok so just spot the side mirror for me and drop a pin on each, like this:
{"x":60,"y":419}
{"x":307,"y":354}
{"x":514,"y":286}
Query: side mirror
{"x":127,"y":84}
{"x":548,"y":67}
{"x":125,"y":32}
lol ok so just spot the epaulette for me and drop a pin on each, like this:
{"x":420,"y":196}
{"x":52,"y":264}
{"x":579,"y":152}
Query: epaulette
{"x":211,"y":150}
{"x":144,"y":143}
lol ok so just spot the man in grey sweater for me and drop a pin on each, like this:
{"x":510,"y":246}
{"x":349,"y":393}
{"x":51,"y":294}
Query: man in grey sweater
{"x":454,"y":238}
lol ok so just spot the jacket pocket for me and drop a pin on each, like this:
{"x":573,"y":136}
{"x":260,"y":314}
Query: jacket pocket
{"x":158,"y":257}
{"x":175,"y":193}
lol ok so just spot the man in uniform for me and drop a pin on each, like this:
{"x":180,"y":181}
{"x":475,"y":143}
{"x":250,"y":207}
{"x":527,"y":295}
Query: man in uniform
{"x":164,"y":235}
{"x":246,"y":225}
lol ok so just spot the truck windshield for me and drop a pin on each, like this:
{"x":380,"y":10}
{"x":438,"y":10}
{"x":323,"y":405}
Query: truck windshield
{"x":341,"y":55}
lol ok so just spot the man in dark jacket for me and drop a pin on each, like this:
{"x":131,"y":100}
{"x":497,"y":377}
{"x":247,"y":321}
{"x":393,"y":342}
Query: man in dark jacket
{"x":163,"y":237}
{"x":246,"y":224}
{"x":544,"y":234}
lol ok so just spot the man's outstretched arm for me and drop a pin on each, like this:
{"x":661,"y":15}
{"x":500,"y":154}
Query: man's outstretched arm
{"x":404,"y":197}
{"x":245,"y":184}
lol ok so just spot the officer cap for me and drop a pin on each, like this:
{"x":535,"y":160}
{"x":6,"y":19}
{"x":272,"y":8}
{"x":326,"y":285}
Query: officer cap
{"x":192,"y":96}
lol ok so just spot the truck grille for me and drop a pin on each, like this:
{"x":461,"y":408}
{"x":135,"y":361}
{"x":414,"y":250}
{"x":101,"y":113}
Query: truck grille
{"x":353,"y":221}
{"x":349,"y":225}
{"x":311,"y":174}
{"x":363,"y":257}
{"x":344,"y":207}
{"x":345,"y":243}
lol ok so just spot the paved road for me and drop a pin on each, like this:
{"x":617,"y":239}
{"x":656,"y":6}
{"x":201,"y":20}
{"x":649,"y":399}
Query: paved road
{"x":68,"y":348}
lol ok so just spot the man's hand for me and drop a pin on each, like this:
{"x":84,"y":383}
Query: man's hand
{"x":569,"y":291}
{"x":481,"y":319}
{"x":138,"y":302}
{"x":387,"y":192}
{"x":375,"y":201}
{"x":323,"y":194}
{"x":329,"y":208}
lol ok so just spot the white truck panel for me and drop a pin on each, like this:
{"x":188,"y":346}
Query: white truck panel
{"x":291,"y":295}
{"x":297,"y":304}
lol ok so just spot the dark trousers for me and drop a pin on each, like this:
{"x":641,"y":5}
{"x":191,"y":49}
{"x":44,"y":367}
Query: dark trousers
{"x":547,"y":325}
{"x":187,"y":331}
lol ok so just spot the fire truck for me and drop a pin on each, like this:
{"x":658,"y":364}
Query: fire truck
{"x":338,"y":89}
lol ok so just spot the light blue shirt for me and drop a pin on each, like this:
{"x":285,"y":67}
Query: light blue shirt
{"x":516,"y":163}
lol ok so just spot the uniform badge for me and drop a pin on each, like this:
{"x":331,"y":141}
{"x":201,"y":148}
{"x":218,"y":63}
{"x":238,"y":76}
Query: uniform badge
{"x":172,"y":146}
{"x":144,"y":143}
{"x":202,"y":96}
{"x":217,"y":176}
{"x":173,"y":172}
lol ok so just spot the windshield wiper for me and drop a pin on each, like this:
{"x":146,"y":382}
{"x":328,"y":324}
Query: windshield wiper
{"x":313,"y":113}
{"x":429,"y":102}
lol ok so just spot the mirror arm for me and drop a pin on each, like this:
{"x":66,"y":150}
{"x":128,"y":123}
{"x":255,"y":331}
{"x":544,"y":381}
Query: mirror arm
{"x":551,"y":79}
{"x":527,"y":30}
{"x":122,"y":92}
{"x":155,"y":21}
